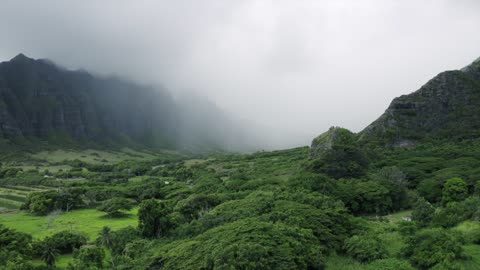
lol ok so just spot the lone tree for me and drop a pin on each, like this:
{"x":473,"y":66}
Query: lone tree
{"x":454,"y":190}
{"x":153,"y":219}
{"x":115,"y":206}
{"x":105,"y":237}
{"x":423,"y":213}
{"x":49,"y":254}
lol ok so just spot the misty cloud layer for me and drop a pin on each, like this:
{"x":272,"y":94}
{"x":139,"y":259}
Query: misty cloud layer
{"x":294,"y":67}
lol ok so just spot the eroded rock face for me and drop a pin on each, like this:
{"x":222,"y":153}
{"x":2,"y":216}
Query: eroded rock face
{"x":37,"y":98}
{"x":448,"y":106}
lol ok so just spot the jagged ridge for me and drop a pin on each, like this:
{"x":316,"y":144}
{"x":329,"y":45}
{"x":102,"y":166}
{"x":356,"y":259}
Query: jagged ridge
{"x":448,"y":107}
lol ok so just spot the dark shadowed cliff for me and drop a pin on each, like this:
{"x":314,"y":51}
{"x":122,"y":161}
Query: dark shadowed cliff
{"x":40,"y":100}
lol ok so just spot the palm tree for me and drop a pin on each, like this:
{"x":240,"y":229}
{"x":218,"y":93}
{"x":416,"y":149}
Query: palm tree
{"x":106,"y":237}
{"x":49,"y":254}
{"x":106,"y":240}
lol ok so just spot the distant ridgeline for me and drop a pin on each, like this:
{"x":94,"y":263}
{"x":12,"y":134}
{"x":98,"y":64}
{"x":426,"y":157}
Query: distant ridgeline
{"x":446,"y":107}
{"x":41,"y":101}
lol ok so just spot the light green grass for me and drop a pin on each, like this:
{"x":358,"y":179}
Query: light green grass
{"x":87,"y":221}
{"x":398,"y":216}
{"x":9,"y":204}
{"x":93,"y":156}
{"x":12,"y":197}
{"x":191,"y":162}
{"x":473,"y":252}
{"x":42,"y":167}
{"x":61,"y":263}
{"x":467,"y":226}
{"x":138,"y":178}
{"x":336,"y":262}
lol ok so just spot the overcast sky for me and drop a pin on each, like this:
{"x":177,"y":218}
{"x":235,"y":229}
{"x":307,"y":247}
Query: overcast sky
{"x":299,"y":66}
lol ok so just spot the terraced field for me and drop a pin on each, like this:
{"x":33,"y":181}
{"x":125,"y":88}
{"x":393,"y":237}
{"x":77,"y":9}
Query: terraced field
{"x":12,"y":197}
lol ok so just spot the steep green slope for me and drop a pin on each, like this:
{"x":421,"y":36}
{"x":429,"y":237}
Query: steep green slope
{"x":447,"y":107}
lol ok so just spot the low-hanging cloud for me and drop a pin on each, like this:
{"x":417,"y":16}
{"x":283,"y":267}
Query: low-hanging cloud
{"x":294,"y":67}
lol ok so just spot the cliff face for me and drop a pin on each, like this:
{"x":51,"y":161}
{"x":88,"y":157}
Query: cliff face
{"x":39,"y":99}
{"x":448,"y":106}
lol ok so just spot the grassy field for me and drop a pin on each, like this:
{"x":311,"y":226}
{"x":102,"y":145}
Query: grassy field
{"x":12,"y":197}
{"x":337,"y":262}
{"x":93,"y":156}
{"x":398,"y":216}
{"x":87,"y":221}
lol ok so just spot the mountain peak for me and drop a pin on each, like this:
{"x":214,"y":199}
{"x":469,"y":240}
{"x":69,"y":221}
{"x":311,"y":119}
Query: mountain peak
{"x":473,"y":69}
{"x":20,"y":57}
{"x":445,"y":107}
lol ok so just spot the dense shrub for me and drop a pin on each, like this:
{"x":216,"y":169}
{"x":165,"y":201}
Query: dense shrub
{"x":454,"y":190}
{"x":430,"y":247}
{"x":87,"y":258}
{"x":14,"y":248}
{"x":115,"y":206}
{"x":365,"y":248}
{"x":389,"y":264}
{"x":154,"y":219}
{"x":456,"y":212}
{"x":245,"y":244}
{"x":42,"y":203}
{"x":66,"y":241}
{"x":423,"y":213}
{"x":364,"y":197}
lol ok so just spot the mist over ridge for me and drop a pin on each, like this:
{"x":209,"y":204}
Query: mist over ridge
{"x":288,"y":71}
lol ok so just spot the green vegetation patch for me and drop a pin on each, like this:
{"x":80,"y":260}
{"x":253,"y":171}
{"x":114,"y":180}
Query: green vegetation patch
{"x":87,"y":221}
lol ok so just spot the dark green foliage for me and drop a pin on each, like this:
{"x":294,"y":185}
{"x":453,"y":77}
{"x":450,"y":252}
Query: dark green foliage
{"x":183,"y":174}
{"x":49,"y":254}
{"x":423,"y":213}
{"x":407,"y":228}
{"x":313,"y":182}
{"x":65,"y":241}
{"x":105,"y":237}
{"x":15,"y":248}
{"x":389,"y":264}
{"x":87,"y":258}
{"x":473,"y":236}
{"x":17,"y":263}
{"x":120,"y":239}
{"x":196,"y":206}
{"x":115,"y":206}
{"x":456,"y":212}
{"x":245,"y":244}
{"x":366,"y":247}
{"x":42,"y":203}
{"x":341,"y":161}
{"x":364,"y":196}
{"x":454,"y":190}
{"x":255,"y":204}
{"x":11,"y":240}
{"x":431,"y":190}
{"x":430,"y":247}
{"x":336,"y":154}
{"x":330,"y":224}
{"x":153,"y":219}
{"x":395,"y":181}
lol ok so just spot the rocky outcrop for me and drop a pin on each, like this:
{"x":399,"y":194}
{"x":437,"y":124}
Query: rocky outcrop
{"x":448,"y":106}
{"x":326,"y":141}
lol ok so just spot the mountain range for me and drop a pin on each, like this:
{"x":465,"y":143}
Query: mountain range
{"x":40,"y":100}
